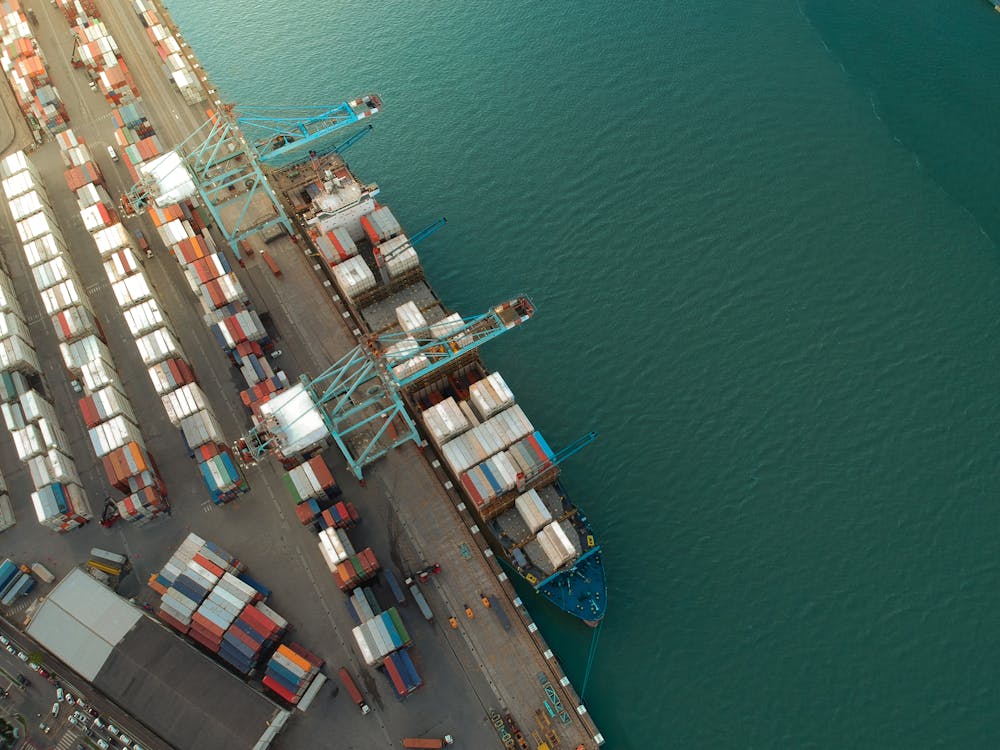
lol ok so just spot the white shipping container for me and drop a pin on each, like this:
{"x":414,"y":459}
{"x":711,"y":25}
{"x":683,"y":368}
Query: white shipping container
{"x":110,"y":402}
{"x":398,"y":256}
{"x":183,"y":402}
{"x":27,"y":204}
{"x":52,"y":435}
{"x":8,"y":300}
{"x":94,"y":218}
{"x":201,"y":428}
{"x":363,"y":647}
{"x":410,"y":318}
{"x":353,"y":277}
{"x":13,"y":415}
{"x":73,"y":322}
{"x":11,"y":324}
{"x":35,"y":407}
{"x":36,"y":225}
{"x":556,"y":545}
{"x":174,"y":231}
{"x":18,"y":184}
{"x":490,"y":395}
{"x":532,"y":510}
{"x":111,"y":238}
{"x":50,"y":273}
{"x":16,"y":354}
{"x":113,"y":434}
{"x":42,"y":249}
{"x":131,"y":290}
{"x":144,"y":317}
{"x":445,"y":420}
{"x":121,"y":264}
{"x":86,"y":349}
{"x":61,"y":296}
{"x":156,"y":346}
{"x":16,"y":162}
{"x":28,"y":442}
{"x":98,"y":374}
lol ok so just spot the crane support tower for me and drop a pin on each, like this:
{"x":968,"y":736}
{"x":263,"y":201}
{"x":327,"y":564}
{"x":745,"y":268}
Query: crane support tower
{"x":223,"y":162}
{"x":359,"y":400}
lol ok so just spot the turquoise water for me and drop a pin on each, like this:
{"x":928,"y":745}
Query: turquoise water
{"x":759,"y":239}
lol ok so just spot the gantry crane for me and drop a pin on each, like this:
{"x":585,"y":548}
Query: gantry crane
{"x":222,"y":161}
{"x":360,"y":397}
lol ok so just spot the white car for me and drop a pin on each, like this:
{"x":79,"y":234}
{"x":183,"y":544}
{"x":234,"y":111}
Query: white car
{"x":113,"y":730}
{"x":22,"y":656}
{"x":34,"y":667}
{"x":103,"y":744}
{"x":4,"y":640}
{"x":59,"y":694}
{"x":69,"y":698}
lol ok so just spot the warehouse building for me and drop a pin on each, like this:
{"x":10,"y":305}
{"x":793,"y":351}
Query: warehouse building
{"x":187,"y":699}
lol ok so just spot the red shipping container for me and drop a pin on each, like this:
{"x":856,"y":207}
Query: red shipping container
{"x":244,"y":638}
{"x":277,"y":688}
{"x":397,"y":680}
{"x":304,"y":513}
{"x":204,"y":452}
{"x":208,"y":565}
{"x":307,"y":655}
{"x":210,"y":627}
{"x":323,"y":475}
{"x":90,"y":416}
{"x":175,"y":624}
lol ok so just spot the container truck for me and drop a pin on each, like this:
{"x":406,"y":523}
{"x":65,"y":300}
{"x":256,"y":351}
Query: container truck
{"x":352,"y":690}
{"x":428,"y":742}
{"x":418,"y":597}
{"x":42,"y":572}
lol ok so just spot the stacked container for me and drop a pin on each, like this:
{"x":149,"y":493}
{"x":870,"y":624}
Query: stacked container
{"x":219,"y":472}
{"x":311,"y":479}
{"x":58,"y":498}
{"x":252,"y":634}
{"x":26,"y":71}
{"x":186,"y":579}
{"x":175,"y":65}
{"x":342,"y":515}
{"x":109,"y":417}
{"x":183,"y":401}
{"x":379,"y":634}
{"x":402,"y":672}
{"x":290,"y":672}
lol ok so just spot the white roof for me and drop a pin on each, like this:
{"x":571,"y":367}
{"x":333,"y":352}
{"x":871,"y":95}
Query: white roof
{"x":172,"y":178}
{"x":81,"y":621}
{"x":299,"y":422}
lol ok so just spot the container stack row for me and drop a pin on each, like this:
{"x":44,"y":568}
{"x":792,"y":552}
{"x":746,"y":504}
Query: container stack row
{"x":225,"y":306}
{"x":59,"y":500}
{"x":110,"y":420}
{"x":96,"y":51}
{"x":175,"y":65}
{"x":291,"y":671}
{"x":184,"y":402}
{"x":206,"y":595}
{"x":383,"y":641}
{"x":7,"y":519}
{"x":26,"y":71}
{"x":15,"y":581}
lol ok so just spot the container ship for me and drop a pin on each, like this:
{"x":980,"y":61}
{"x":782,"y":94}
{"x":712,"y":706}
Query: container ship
{"x":506,"y":471}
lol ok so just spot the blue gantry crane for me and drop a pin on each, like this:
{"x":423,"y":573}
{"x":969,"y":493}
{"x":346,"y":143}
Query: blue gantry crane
{"x":223,"y":162}
{"x":360,"y":397}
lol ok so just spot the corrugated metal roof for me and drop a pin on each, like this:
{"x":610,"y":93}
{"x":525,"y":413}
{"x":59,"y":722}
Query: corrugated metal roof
{"x":81,"y":621}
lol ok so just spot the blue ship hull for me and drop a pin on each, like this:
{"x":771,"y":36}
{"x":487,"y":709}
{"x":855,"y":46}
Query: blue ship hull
{"x":578,"y":589}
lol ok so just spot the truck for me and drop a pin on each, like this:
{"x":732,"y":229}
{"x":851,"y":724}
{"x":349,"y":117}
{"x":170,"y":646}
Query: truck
{"x":43,"y":573}
{"x":428,"y":742}
{"x":418,"y":597}
{"x":352,"y":690}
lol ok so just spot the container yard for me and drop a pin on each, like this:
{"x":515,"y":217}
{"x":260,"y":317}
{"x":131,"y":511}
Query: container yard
{"x":186,"y":360}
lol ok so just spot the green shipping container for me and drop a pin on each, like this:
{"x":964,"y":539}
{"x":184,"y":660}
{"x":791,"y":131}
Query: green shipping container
{"x":291,"y":488}
{"x":398,"y":622}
